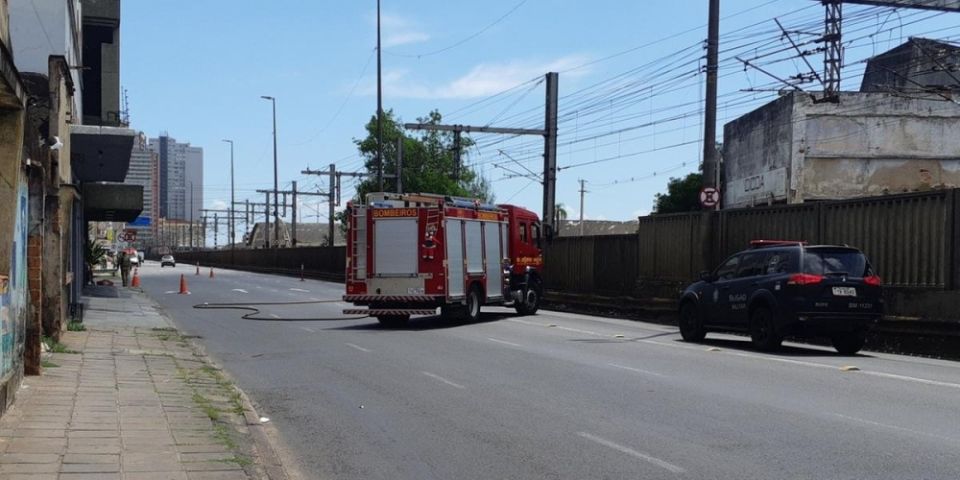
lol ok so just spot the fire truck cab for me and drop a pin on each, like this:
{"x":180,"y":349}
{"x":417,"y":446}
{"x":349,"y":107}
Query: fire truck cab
{"x":410,"y":254}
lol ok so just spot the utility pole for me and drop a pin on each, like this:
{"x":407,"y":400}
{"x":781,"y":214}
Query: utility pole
{"x":204,"y":230}
{"x":293,"y":213}
{"x":583,"y":190}
{"x":232,"y":231}
{"x":550,"y":154}
{"x":710,"y":108}
{"x":457,"y":161}
{"x":399,"y":164}
{"x":549,"y":134}
{"x":379,"y":111}
{"x":216,"y":231}
{"x":333,"y":195}
{"x":266,"y":231}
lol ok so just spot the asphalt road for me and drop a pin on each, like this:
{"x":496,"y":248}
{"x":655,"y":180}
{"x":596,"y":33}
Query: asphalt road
{"x":560,"y":395}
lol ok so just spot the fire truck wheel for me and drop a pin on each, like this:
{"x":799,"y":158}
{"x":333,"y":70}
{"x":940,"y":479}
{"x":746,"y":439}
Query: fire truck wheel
{"x":531,"y":299}
{"x":472,"y":312}
{"x":393,"y":321}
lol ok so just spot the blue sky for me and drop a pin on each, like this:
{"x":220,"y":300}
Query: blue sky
{"x":629,"y":86}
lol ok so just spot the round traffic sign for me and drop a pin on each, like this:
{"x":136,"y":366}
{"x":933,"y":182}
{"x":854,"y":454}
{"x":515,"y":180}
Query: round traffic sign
{"x":709,"y":197}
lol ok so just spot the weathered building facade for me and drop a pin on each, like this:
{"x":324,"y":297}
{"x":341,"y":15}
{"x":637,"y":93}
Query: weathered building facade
{"x":798,"y":149}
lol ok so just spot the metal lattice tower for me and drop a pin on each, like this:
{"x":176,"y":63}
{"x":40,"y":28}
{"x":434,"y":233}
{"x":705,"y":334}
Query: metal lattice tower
{"x":833,"y":50}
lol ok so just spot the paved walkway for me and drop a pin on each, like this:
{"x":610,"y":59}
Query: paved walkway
{"x":131,"y":402}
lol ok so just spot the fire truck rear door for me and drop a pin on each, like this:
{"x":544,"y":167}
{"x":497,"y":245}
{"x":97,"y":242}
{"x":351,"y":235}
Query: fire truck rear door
{"x":491,"y":241}
{"x":395,"y":246}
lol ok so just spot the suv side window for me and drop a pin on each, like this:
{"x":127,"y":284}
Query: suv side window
{"x":779,"y":262}
{"x":753,"y":264}
{"x":728,"y":270}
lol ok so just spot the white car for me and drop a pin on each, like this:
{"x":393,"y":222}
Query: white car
{"x":167,"y":260}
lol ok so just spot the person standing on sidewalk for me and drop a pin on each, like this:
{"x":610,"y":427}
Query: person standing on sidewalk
{"x":125,"y":268}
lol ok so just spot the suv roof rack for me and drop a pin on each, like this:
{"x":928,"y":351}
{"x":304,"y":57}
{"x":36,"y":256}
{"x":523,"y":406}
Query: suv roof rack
{"x":775,"y":243}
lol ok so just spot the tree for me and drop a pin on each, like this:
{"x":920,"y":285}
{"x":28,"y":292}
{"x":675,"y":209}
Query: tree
{"x":683,"y":195}
{"x":428,"y":160}
{"x":560,"y":215}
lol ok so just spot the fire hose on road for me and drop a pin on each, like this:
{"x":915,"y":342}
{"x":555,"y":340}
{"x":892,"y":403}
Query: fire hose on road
{"x":252,"y":307}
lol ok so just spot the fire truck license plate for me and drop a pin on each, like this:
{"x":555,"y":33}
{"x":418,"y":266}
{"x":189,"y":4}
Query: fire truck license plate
{"x":415,"y":291}
{"x":845,"y":291}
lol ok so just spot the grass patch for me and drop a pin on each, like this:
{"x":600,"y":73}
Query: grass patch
{"x":48,"y":364}
{"x":207,"y":406}
{"x":56,"y":347}
{"x":164,"y":329}
{"x":76,"y":327}
{"x":222,"y":434}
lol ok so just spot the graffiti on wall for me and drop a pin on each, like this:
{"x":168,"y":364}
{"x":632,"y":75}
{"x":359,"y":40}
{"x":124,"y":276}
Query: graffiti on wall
{"x":13,"y":292}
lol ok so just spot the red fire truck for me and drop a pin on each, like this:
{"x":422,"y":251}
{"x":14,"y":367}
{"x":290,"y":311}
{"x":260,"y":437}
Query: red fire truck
{"x":410,"y":254}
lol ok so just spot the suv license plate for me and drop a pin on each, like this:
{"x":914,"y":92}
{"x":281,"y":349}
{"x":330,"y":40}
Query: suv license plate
{"x":844,"y":291}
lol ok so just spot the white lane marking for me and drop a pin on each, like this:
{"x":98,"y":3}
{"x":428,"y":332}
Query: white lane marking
{"x":504,"y":342}
{"x":894,"y":427}
{"x":910,"y":379}
{"x":636,"y":370}
{"x":444,"y":380}
{"x":629,"y":451}
{"x":274,"y":315}
{"x":308,"y":329}
{"x":239,"y":290}
{"x":358,"y":347}
{"x":299,"y":290}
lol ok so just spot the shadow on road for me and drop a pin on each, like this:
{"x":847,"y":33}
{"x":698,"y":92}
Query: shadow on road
{"x":435,"y":322}
{"x":784,"y":351}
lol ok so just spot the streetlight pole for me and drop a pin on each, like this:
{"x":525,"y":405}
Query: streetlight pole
{"x":232,"y":230}
{"x":191,"y":215}
{"x":276,"y":185}
{"x":379,"y":109}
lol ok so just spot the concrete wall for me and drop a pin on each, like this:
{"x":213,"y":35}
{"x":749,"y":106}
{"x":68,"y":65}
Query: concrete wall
{"x":795,"y":150}
{"x":757,"y":155}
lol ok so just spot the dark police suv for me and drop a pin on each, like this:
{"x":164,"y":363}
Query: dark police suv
{"x":779,"y":288}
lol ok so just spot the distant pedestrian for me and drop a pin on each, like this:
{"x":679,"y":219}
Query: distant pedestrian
{"x":125,"y":266}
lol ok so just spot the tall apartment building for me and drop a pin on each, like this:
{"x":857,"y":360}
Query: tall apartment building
{"x":145,"y":171}
{"x":181,"y":167}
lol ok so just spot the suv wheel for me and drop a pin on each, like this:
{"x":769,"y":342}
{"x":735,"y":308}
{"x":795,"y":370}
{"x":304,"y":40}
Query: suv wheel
{"x":849,"y":343}
{"x":763,"y":330}
{"x":691,"y":325}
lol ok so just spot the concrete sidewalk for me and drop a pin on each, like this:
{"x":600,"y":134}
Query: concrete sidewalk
{"x":130,"y":398}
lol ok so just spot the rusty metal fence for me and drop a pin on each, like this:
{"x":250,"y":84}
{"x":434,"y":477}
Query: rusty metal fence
{"x":605,"y":265}
{"x":911,"y":239}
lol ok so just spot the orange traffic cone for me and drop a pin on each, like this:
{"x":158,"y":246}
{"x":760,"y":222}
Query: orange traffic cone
{"x":136,"y":278}
{"x":211,"y":272}
{"x":183,"y":285}
{"x":198,"y":269}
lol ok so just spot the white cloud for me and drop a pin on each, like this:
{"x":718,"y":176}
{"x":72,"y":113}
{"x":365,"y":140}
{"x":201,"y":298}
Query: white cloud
{"x":397,"y":31}
{"x":218,"y":205}
{"x":643,"y":212}
{"x":482,"y":80}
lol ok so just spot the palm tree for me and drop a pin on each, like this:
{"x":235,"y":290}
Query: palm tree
{"x":560,"y":215}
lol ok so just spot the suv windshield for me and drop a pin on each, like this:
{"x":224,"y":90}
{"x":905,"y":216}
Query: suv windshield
{"x":835,"y":262}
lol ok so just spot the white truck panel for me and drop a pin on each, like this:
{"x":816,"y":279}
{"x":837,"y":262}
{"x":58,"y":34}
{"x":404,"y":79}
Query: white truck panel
{"x":494,"y":252}
{"x":474,"y":237}
{"x":395,"y":246}
{"x":454,"y":243}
